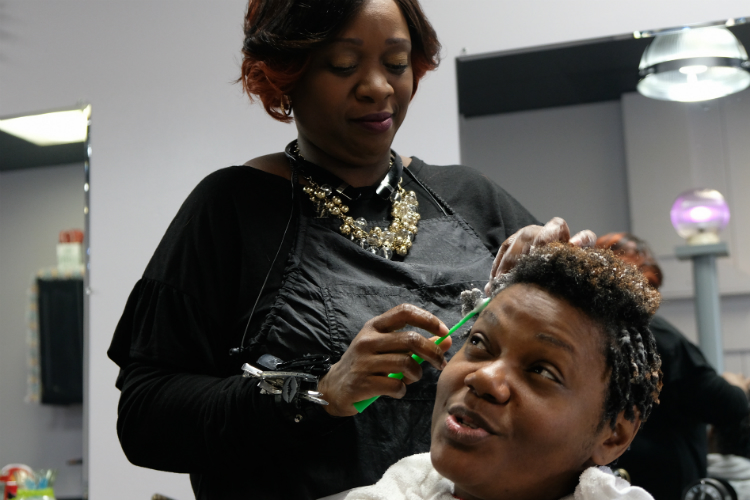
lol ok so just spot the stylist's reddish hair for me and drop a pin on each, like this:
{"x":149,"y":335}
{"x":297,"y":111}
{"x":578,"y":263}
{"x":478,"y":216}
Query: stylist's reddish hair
{"x":280,"y":36}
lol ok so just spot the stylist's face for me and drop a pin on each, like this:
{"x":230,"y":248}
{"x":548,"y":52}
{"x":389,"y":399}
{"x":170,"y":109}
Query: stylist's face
{"x":354,"y":96}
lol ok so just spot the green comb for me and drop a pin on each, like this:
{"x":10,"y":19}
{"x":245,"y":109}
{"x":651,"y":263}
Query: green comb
{"x":361,"y":405}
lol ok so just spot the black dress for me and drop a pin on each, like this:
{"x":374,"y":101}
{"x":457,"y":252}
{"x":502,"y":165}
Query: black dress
{"x":670,"y":449}
{"x":185,"y":408}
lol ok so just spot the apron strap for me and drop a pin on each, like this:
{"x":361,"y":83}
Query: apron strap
{"x":436,"y":199}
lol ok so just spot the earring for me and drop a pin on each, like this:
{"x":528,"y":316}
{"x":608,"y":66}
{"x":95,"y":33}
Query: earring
{"x":286,"y":105}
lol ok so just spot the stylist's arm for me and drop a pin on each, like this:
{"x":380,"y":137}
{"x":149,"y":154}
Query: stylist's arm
{"x":380,"y":348}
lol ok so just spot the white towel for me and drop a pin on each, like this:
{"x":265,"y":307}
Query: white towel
{"x":414,"y":478}
{"x":411,"y":478}
{"x":598,"y":483}
{"x":728,"y":467}
{"x":734,"y":469}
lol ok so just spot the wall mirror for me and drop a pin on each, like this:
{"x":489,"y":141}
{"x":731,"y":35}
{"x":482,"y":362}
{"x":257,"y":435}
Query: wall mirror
{"x":563,"y":129}
{"x":44,"y":186}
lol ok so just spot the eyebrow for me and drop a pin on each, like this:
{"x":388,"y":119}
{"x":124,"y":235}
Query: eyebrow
{"x":551,"y":339}
{"x":491,"y":317}
{"x":359,"y":42}
{"x":350,"y":41}
{"x":396,"y":41}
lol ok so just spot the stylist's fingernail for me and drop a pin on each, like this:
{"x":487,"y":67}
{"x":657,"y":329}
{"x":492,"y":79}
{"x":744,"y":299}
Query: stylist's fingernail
{"x":584,"y":239}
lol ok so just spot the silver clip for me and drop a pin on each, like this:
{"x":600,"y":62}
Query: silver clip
{"x":272,"y":382}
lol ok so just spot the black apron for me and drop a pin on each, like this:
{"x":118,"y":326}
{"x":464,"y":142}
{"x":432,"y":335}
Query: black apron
{"x":331,"y":287}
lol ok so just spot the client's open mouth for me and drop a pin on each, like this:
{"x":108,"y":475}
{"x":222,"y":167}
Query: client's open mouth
{"x":466,"y":426}
{"x":468,"y":423}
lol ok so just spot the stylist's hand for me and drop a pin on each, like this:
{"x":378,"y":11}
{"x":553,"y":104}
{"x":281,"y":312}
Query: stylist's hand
{"x":531,"y":236}
{"x":377,"y":350}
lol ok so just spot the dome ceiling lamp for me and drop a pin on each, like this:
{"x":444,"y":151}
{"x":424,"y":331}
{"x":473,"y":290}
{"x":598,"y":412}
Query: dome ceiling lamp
{"x":692,"y":64}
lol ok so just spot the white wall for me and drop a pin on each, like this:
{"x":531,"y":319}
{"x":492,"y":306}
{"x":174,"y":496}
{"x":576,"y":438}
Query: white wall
{"x":164,"y":114}
{"x":35,"y":205}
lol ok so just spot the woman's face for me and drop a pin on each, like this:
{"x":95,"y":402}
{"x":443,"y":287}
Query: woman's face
{"x":354,"y":96}
{"x":518,"y":408}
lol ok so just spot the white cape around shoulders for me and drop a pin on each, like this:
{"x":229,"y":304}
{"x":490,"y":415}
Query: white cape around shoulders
{"x":411,"y":478}
{"x":414,"y":478}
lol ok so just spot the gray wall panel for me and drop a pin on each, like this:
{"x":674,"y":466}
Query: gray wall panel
{"x":566,"y":162}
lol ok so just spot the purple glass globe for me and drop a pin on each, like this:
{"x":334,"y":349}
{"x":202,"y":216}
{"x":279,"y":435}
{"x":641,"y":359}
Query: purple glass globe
{"x":699,"y":214}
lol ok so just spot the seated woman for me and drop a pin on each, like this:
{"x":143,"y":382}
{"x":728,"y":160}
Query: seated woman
{"x":555,"y":378}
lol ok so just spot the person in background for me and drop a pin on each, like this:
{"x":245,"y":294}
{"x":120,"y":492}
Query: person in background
{"x":730,"y":456}
{"x":671,"y":450}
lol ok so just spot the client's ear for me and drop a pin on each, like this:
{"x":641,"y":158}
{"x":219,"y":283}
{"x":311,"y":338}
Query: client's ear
{"x":611,"y":443}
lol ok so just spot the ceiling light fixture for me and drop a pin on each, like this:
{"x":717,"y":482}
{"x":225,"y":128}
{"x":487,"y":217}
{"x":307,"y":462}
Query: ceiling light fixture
{"x":48,"y":129}
{"x":693,"y":63}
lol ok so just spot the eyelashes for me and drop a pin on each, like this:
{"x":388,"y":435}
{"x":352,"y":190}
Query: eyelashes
{"x":343,"y":70}
{"x":396,"y":69}
{"x":544,"y":372}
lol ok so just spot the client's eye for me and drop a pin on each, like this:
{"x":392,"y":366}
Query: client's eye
{"x":478,"y":346}
{"x":544,"y":372}
{"x":476,"y":343}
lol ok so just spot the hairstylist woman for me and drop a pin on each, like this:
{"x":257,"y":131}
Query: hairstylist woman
{"x":264,"y":257}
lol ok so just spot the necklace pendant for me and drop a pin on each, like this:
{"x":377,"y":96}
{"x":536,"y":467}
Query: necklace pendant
{"x":397,"y":238}
{"x":321,"y":212}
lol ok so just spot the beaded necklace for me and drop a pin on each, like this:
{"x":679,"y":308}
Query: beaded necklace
{"x":398,"y":237}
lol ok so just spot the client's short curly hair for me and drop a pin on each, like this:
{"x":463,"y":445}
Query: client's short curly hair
{"x":616,"y":296}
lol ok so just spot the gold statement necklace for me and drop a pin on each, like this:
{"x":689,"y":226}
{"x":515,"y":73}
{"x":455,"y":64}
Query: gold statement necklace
{"x":383,"y":242}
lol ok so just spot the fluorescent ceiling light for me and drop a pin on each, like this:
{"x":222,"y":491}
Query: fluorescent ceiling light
{"x":693,"y":64}
{"x":48,"y":129}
